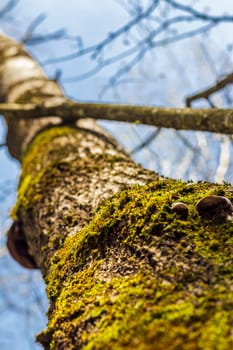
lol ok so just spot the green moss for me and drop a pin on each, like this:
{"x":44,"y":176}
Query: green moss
{"x":21,"y":194}
{"x":34,"y":169}
{"x":178,"y":295}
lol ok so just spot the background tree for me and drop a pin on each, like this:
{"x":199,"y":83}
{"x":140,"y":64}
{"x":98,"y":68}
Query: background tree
{"x":147,"y":131}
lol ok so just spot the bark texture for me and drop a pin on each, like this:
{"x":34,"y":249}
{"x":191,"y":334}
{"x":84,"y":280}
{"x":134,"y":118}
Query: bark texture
{"x":123,"y":270}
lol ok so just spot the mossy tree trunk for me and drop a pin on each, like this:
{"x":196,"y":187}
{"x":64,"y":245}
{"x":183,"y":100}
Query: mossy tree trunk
{"x":122,"y":270}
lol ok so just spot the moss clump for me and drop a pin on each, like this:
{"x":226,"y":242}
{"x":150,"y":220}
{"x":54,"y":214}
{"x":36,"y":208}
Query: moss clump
{"x":138,"y":277}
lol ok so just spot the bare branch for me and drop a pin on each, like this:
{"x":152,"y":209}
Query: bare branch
{"x":30,"y":38}
{"x":163,"y":42}
{"x":200,"y":15}
{"x":95,"y":50}
{"x":8,"y":7}
{"x":139,"y":49}
{"x":221,"y":84}
{"x":213,"y":120}
{"x":146,"y":142}
{"x":150,"y":36}
{"x":33,"y":25}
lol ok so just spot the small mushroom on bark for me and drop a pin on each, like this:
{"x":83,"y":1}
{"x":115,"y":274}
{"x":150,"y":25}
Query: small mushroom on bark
{"x":216,"y":207}
{"x":180,"y":209}
{"x":18,"y":247}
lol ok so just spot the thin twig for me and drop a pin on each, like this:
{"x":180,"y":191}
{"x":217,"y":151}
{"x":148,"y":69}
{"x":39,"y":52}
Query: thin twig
{"x":221,"y":84}
{"x":8,"y":7}
{"x":146,"y":142}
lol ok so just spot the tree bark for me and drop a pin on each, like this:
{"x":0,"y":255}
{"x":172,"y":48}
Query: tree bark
{"x":123,"y":269}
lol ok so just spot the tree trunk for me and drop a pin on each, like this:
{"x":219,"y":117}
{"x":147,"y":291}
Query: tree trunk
{"x":124,"y":268}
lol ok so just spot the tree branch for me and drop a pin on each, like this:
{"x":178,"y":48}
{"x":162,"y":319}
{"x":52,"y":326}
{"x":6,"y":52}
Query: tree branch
{"x":8,"y":7}
{"x":221,"y":84}
{"x":133,"y":49}
{"x":30,"y":38}
{"x":197,"y":14}
{"x":213,"y":120}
